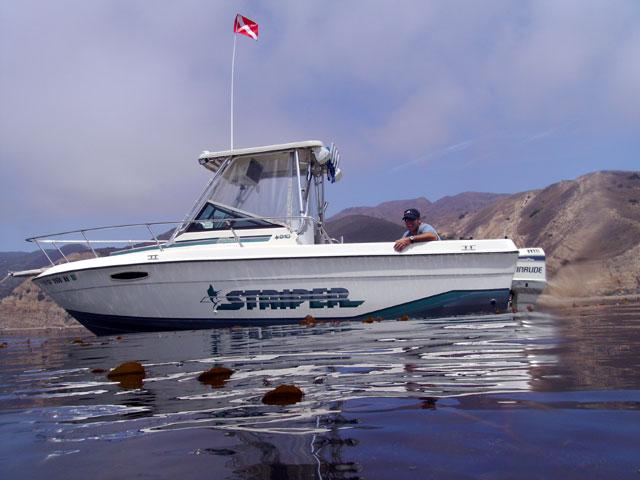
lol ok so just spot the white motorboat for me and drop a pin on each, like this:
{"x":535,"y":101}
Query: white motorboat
{"x":253,"y":250}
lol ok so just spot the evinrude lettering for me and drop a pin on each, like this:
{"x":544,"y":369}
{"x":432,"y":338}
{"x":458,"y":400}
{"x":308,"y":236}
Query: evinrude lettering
{"x":529,"y":270}
{"x":283,"y":299}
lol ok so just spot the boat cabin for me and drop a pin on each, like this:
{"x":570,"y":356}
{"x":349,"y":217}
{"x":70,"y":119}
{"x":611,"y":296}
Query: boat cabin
{"x":272,"y":193}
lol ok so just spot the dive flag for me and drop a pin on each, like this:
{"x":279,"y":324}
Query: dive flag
{"x":244,"y":26}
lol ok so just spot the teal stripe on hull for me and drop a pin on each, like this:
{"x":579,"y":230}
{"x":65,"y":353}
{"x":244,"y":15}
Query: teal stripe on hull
{"x":456,"y":302}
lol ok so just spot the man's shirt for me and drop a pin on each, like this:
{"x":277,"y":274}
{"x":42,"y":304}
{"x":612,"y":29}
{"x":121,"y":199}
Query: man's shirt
{"x":423,"y":228}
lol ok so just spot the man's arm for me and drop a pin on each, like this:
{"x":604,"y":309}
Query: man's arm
{"x":425,"y":237}
{"x":404,"y":242}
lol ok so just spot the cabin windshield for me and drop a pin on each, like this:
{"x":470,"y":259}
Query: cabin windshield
{"x":264,"y":186}
{"x":219,"y":217}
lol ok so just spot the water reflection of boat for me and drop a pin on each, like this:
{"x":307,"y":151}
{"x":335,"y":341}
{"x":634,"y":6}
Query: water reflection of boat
{"x":254,"y":250}
{"x":348,"y":372}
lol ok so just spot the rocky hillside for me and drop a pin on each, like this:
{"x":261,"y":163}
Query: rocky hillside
{"x":25,"y":306}
{"x":443,"y":211}
{"x":589,"y":228}
{"x":389,"y":211}
{"x":362,"y":228}
{"x":28,"y":307}
{"x":16,"y":261}
{"x":450,"y":209}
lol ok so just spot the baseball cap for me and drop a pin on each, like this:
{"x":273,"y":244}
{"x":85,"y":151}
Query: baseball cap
{"x":411,"y":214}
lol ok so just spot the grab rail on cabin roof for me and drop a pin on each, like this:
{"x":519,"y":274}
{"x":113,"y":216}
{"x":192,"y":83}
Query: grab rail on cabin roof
{"x":47,"y":239}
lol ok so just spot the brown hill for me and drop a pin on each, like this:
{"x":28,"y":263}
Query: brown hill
{"x":442,"y":212}
{"x":453,"y":208}
{"x":389,"y":211}
{"x":589,"y":228}
{"x":362,"y":228}
{"x":28,"y":307}
{"x":16,"y":261}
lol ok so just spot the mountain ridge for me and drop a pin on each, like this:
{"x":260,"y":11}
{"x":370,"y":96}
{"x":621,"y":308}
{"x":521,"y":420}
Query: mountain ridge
{"x":443,"y":209}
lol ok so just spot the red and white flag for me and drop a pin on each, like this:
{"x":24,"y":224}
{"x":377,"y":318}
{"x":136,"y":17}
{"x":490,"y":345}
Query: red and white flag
{"x":244,"y":26}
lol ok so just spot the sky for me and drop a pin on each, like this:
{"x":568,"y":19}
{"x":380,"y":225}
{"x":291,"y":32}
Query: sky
{"x":105,"y":105}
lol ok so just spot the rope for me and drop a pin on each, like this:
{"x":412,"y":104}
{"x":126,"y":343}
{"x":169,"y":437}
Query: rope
{"x":5,"y":278}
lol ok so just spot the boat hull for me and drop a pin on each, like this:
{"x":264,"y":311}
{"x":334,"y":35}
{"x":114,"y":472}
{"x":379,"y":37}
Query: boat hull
{"x":448,"y":304}
{"x":196,"y":292}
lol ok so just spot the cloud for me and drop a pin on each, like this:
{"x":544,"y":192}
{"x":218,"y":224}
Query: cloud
{"x":99,"y":106}
{"x":430,"y":156}
{"x":547,"y":63}
{"x":106,"y":104}
{"x":622,"y":88}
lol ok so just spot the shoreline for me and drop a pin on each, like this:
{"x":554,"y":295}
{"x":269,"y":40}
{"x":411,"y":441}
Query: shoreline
{"x":550,"y":302}
{"x":46,"y":331}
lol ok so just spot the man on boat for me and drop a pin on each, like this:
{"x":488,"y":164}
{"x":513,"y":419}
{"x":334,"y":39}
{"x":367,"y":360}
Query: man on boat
{"x":416,"y":230}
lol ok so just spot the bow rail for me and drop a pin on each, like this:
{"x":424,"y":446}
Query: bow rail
{"x":131,"y":244}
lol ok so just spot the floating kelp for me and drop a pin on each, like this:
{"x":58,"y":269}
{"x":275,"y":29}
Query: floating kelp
{"x":129,"y":375}
{"x":215,"y":376}
{"x":429,"y":403}
{"x":372,"y":319}
{"x":283,"y":395}
{"x":308,"y":321}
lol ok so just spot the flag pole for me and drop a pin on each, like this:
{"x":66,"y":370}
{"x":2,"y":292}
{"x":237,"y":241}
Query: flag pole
{"x":233,"y":67}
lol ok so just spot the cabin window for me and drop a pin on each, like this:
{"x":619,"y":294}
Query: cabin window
{"x":261,"y":185}
{"x":263,"y":190}
{"x":215,"y":217}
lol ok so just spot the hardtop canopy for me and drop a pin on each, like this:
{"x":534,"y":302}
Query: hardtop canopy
{"x":213,"y":160}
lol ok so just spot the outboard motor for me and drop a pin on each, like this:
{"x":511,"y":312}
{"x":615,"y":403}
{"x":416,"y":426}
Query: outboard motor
{"x":529,"y":280}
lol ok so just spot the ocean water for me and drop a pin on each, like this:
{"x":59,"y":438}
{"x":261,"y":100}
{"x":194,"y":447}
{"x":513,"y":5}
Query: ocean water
{"x":509,"y":396}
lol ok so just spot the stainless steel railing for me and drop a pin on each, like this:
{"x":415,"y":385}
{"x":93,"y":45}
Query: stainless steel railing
{"x":55,"y":240}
